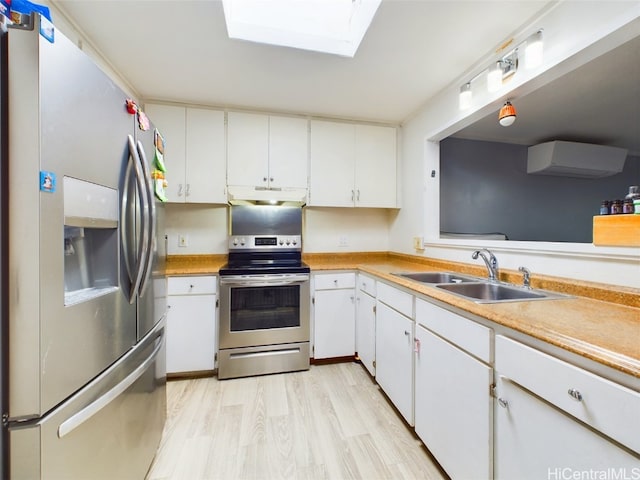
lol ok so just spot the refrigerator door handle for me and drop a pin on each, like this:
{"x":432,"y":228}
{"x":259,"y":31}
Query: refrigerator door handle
{"x":144,"y":217}
{"x":93,"y":408}
{"x":151,"y":221}
{"x":125,"y":219}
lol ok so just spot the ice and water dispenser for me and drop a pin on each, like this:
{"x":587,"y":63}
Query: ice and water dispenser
{"x":90,"y":240}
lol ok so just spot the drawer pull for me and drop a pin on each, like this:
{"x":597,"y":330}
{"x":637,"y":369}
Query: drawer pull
{"x":407,"y":333}
{"x":503,"y":403}
{"x":575,"y":394}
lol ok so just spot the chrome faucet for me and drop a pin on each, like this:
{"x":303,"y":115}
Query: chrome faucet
{"x":526,"y":277}
{"x":490,"y":261}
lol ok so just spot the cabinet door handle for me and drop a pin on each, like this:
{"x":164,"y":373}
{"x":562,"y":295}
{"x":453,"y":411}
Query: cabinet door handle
{"x":264,"y":179}
{"x":179,"y":189}
{"x":271,"y":179}
{"x":416,"y":345}
{"x":353,"y":195}
{"x":407,"y":332}
{"x":358,"y":195}
{"x":575,"y":394}
{"x":503,"y":403}
{"x":186,"y":190}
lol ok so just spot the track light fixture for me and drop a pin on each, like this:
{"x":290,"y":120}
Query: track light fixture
{"x":503,"y":68}
{"x":533,"y":52}
{"x":465,"y":96}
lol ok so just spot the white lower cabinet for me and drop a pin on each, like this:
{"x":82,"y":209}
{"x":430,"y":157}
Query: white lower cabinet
{"x":191,"y":324}
{"x":453,"y":406}
{"x":394,"y":347}
{"x":555,"y":420}
{"x":453,"y":378}
{"x":366,"y":323}
{"x":334,"y":315}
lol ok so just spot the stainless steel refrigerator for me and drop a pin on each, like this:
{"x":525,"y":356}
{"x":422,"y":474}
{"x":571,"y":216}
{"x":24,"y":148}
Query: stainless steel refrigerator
{"x":83,"y":290}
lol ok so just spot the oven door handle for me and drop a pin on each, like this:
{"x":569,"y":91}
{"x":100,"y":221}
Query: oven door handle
{"x":261,"y":282}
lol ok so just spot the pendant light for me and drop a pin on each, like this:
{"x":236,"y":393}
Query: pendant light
{"x":507,"y":114}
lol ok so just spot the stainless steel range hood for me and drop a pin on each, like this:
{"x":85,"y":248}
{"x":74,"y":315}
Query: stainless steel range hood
{"x":241,"y":195}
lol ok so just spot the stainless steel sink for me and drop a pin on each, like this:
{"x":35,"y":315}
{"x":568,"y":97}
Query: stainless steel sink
{"x":436,"y":277}
{"x":487,"y":292}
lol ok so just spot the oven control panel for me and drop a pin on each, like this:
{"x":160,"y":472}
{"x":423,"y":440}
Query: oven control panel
{"x":265,"y":242}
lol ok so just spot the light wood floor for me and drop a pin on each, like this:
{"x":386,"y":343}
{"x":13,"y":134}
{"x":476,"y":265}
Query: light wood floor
{"x":331,"y":422}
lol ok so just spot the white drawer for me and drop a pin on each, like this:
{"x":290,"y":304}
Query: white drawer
{"x":465,"y":333}
{"x":396,"y":299}
{"x":192,"y":285}
{"x":367,"y":284}
{"x":331,"y":281}
{"x":606,"y":406}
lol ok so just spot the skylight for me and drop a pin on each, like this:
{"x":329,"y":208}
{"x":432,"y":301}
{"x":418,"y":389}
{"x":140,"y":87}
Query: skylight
{"x":329,"y":26}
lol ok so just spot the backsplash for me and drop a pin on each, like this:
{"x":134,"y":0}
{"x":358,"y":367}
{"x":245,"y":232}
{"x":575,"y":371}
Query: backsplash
{"x":204,"y":229}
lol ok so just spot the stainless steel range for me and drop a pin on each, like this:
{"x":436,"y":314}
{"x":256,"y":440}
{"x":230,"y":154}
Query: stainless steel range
{"x":264,"y":294}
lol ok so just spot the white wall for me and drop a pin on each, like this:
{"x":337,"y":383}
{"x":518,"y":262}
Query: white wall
{"x":346,"y":230}
{"x":206,"y":228}
{"x":574,"y":33}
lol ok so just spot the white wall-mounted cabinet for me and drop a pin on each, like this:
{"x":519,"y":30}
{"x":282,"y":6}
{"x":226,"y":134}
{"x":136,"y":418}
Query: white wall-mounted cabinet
{"x":191,"y":323}
{"x":267,"y":151}
{"x":570,"y":419}
{"x":394,"y":347}
{"x":334,"y":315}
{"x":366,"y":322}
{"x":453,"y":404}
{"x":195,"y":152}
{"x":352,"y":165}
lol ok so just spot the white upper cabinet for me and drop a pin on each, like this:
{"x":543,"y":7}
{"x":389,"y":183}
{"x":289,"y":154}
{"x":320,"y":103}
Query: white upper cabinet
{"x":332,"y":164}
{"x":267,"y":151}
{"x":375,"y":166}
{"x":288,"y":152}
{"x":206,"y":162}
{"x":247,"y":149}
{"x":352,"y":165}
{"x":194,"y":152}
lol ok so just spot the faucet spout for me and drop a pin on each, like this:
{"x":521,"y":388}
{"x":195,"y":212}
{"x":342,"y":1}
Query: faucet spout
{"x":490,"y":261}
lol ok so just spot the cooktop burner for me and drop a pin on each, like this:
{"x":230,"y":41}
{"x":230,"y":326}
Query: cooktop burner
{"x":264,"y":263}
{"x":229,"y":269}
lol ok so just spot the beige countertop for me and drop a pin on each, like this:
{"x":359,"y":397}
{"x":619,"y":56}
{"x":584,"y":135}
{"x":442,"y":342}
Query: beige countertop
{"x":599,"y":322}
{"x":194,"y":264}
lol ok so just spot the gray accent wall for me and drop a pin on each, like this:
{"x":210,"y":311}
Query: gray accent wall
{"x":485,"y":188}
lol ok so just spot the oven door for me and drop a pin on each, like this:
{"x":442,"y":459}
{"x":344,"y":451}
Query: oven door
{"x":264,"y":310}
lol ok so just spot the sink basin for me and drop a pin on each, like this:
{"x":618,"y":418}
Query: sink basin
{"x":485,"y":292}
{"x":436,"y":277}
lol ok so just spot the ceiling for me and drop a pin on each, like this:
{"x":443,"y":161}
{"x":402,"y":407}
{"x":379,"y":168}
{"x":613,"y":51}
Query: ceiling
{"x":596,"y":103}
{"x":178,"y":51}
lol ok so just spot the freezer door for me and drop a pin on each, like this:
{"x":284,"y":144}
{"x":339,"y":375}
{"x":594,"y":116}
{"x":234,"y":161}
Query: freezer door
{"x":110,"y":429}
{"x":69,"y":127}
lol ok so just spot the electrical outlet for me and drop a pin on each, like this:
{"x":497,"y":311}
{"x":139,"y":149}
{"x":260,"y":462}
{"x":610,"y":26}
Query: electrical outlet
{"x":418,"y":243}
{"x":343,"y":241}
{"x":183,"y":240}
